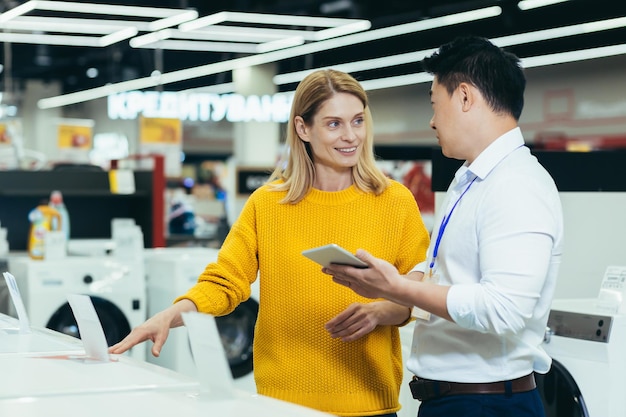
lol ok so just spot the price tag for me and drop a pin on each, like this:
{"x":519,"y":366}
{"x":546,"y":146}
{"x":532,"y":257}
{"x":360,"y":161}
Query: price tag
{"x":16,"y":297}
{"x":121,"y":181}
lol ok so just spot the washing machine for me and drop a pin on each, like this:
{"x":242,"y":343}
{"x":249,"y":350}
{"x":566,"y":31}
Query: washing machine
{"x":170,"y":272}
{"x":116,"y":286}
{"x":48,"y":374}
{"x":586,"y":341}
{"x":158,"y":402}
{"x":37,"y":340}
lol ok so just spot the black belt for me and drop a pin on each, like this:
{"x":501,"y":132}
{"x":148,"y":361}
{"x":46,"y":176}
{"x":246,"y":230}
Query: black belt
{"x":426,"y":389}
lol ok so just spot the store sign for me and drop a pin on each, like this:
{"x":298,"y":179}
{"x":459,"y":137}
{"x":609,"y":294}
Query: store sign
{"x":200,"y":106}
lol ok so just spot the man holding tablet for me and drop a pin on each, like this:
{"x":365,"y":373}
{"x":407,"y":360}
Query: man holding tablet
{"x":483,"y":297}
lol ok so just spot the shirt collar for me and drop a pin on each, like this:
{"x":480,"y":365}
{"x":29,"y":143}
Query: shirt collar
{"x":491,"y":156}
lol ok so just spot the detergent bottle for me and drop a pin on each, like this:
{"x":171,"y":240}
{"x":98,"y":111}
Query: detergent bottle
{"x":43,"y":219}
{"x":56,"y":202}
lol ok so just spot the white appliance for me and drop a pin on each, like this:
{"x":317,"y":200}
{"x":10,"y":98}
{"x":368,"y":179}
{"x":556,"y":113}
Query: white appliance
{"x":53,"y":373}
{"x":586,"y":342}
{"x":57,"y":384}
{"x":117,"y":288}
{"x":154,"y":403}
{"x":37,"y":340}
{"x":170,"y":272}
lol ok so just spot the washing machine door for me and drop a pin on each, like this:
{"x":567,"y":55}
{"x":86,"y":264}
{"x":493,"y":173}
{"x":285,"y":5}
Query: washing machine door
{"x":560,"y":393}
{"x":237,"y":333}
{"x":113,"y":320}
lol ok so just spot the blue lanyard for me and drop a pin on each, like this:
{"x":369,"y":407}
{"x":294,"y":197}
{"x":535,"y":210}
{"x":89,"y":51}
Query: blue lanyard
{"x":444,"y":223}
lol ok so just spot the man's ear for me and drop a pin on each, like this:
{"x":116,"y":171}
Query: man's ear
{"x":467,"y":96}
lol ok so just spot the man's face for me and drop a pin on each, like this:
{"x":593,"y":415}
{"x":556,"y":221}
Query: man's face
{"x":447,"y":112}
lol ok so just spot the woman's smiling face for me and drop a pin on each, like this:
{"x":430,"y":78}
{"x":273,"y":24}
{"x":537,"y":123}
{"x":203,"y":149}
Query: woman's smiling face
{"x":336,"y":133}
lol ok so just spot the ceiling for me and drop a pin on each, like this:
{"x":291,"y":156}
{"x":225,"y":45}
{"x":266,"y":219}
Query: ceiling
{"x":68,"y":65}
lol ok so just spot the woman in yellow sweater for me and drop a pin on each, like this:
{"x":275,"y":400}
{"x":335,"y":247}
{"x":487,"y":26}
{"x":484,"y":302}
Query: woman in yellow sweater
{"x":316,"y":344}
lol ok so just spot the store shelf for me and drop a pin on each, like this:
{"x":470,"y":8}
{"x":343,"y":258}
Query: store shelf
{"x":88,"y":198}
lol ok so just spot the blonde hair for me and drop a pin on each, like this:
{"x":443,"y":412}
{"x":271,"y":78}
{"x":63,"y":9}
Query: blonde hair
{"x":296,"y":168}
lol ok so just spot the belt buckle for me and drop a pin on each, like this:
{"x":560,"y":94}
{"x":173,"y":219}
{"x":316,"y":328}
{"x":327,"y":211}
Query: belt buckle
{"x":418,"y":390}
{"x":424,"y":390}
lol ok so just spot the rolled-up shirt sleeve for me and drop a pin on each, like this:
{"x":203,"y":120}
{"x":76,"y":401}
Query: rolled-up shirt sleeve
{"x":514,"y":255}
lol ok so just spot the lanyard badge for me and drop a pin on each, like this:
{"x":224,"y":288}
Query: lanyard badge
{"x":430,"y":276}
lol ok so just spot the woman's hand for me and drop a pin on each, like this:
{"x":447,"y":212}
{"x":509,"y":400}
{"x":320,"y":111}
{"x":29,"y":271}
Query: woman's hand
{"x":360,"y":319}
{"x":156,"y":328}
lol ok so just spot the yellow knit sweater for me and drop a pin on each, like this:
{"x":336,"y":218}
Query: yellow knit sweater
{"x":295,"y":359}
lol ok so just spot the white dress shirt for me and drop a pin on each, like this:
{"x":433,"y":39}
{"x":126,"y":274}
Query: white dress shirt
{"x":500,"y":253}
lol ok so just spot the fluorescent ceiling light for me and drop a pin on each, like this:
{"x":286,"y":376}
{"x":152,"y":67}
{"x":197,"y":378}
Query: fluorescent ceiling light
{"x":68,"y":25}
{"x":356,"y":66}
{"x":573,"y":56}
{"x":279,"y":44}
{"x":530,"y":62}
{"x":268,"y":38}
{"x":173,"y":20}
{"x":92,"y":8}
{"x":113,"y":30}
{"x":265,"y":19}
{"x":118,"y":36}
{"x":411,"y":57}
{"x":423,"y":77}
{"x":40,"y":38}
{"x":533,"y":4}
{"x":68,"y":40}
{"x":17,"y":11}
{"x":286,"y":20}
{"x":240,"y":34}
{"x":435,"y":22}
{"x":173,"y":44}
{"x":215,"y":68}
{"x":149,"y":38}
{"x":209,"y":20}
{"x":246,"y":34}
{"x":397,"y":81}
{"x":161,"y":40}
{"x":562,"y":32}
{"x":341,"y":30}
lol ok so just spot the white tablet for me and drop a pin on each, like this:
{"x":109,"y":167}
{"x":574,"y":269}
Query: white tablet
{"x":333,"y":254}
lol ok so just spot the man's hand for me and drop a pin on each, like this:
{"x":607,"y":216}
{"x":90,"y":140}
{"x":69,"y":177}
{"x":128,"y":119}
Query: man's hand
{"x":372,"y":282}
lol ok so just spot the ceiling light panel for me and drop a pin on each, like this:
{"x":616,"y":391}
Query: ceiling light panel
{"x":244,"y":33}
{"x":92,"y":8}
{"x":67,"y":25}
{"x":266,"y":19}
{"x":369,"y":85}
{"x":258,"y":59}
{"x":528,"y":62}
{"x":503,"y":41}
{"x":533,"y":4}
{"x":268,"y":31}
{"x":112,"y":31}
{"x":200,"y":46}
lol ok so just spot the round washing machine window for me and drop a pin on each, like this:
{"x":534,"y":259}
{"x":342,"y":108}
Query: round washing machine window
{"x":114,"y":323}
{"x":237,"y":333}
{"x":560,"y":393}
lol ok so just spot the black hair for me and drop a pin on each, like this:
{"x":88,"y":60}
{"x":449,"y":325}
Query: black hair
{"x":496,"y":73}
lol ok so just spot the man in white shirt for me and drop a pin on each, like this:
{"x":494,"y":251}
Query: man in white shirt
{"x":482,"y":298}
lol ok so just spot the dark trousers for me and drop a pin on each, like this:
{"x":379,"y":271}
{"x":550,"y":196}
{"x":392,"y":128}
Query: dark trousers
{"x":523,"y":404}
